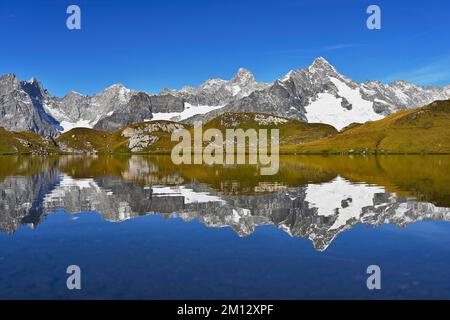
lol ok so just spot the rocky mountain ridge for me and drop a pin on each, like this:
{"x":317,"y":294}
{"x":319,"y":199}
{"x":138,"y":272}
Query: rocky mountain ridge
{"x":318,"y":93}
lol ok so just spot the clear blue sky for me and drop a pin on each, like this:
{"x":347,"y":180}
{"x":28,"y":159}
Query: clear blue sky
{"x":149,"y":45}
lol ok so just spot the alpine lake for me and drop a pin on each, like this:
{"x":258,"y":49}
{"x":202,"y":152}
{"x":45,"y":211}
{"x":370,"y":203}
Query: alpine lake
{"x":140,"y":227}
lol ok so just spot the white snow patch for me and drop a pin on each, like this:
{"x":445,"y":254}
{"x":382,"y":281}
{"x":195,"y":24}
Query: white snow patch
{"x":67,"y":181}
{"x":55,"y":113}
{"x":401,"y":95}
{"x":189,"y":111}
{"x":190,"y":196}
{"x":235,"y":89}
{"x":67,"y":125}
{"x":67,"y":184}
{"x":328,"y":109}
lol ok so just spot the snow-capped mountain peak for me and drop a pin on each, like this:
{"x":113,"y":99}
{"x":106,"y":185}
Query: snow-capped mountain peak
{"x":319,"y":93}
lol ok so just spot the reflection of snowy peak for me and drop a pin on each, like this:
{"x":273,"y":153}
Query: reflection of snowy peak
{"x":118,"y":200}
{"x":318,"y":212}
{"x":189,"y":195}
{"x":342,"y":199}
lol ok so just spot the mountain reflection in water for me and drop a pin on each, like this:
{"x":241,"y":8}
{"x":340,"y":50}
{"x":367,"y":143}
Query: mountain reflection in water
{"x":311,"y":197}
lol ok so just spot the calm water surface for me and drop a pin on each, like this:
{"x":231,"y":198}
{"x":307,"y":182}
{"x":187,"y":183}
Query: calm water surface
{"x":142,"y":228}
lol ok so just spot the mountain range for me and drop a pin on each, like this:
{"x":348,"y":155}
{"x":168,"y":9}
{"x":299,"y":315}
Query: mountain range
{"x":316,"y":94}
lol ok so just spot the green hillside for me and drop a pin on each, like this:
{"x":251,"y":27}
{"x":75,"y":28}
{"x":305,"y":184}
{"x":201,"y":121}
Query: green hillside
{"x":291,"y":131}
{"x":144,"y":137}
{"x":25,"y":143}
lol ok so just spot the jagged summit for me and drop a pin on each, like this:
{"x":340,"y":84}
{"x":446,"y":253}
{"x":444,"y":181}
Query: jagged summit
{"x":8,"y":80}
{"x":76,"y":93}
{"x":116,"y":86}
{"x":35,"y":85}
{"x":8,"y":76}
{"x":320,"y":60}
{"x":322,"y":65}
{"x":243,"y":75}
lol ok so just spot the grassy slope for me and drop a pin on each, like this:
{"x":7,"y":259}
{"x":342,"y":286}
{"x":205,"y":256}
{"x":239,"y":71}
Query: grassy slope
{"x":291,"y":132}
{"x":88,"y":140}
{"x":421,"y":130}
{"x":23,"y":143}
{"x":84,"y":139}
{"x":164,"y":143}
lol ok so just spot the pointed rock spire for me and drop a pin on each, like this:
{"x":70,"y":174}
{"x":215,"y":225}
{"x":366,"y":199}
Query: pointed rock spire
{"x":321,"y":64}
{"x":243,"y":75}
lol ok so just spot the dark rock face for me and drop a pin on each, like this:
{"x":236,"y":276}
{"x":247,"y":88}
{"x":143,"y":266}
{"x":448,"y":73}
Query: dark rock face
{"x":21,"y":107}
{"x":166,"y":103}
{"x":27,"y":106}
{"x":73,"y":106}
{"x":138,"y":109}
